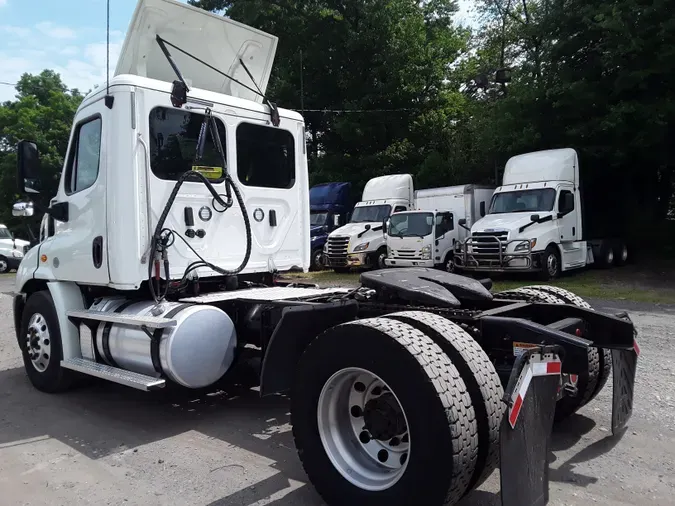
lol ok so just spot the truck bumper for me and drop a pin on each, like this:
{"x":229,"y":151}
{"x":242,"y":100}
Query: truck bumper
{"x":351,"y":260}
{"x":470,"y":256}
{"x":400,"y":262}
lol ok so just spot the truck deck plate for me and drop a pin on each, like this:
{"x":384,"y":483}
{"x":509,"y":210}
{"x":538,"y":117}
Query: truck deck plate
{"x":271,"y":293}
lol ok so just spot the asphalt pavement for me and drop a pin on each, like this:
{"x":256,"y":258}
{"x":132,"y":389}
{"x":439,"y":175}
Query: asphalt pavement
{"x":106,"y":444}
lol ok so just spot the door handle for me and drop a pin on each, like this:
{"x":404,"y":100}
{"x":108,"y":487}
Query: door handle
{"x":97,"y":251}
{"x":273,"y":218}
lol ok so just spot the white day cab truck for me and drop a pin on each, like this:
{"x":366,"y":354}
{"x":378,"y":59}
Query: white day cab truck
{"x":426,"y":236}
{"x":178,"y":204}
{"x":361,"y":243}
{"x":544,"y":219}
{"x":11,"y":250}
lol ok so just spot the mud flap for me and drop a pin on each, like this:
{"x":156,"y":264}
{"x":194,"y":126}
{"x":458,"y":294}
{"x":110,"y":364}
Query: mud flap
{"x":525,"y":431}
{"x":624,"y":363}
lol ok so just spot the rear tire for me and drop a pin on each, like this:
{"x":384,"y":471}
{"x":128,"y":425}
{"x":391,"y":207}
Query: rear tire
{"x":620,"y":253}
{"x":480,"y":377}
{"x":591,"y":381}
{"x":439,"y":419}
{"x":40,"y":343}
{"x":4,"y":265}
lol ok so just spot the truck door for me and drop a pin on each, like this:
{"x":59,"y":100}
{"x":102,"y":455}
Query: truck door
{"x":267,"y":158}
{"x":567,"y":210}
{"x":444,"y":235}
{"x":77,"y":251}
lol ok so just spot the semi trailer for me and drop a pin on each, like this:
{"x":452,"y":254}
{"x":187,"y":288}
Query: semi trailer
{"x":157,"y":263}
{"x":545,"y":218}
{"x":330,"y":207}
{"x":426,"y":236}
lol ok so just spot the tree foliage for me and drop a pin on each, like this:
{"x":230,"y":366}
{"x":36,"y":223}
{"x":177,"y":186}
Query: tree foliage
{"x":42,"y":112}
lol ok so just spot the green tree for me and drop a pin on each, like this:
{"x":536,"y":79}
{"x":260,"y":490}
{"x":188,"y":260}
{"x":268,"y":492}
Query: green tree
{"x":42,"y":112}
{"x":386,"y":61}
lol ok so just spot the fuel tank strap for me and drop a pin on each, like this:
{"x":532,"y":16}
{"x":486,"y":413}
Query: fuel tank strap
{"x":157,"y":338}
{"x":105,"y":338}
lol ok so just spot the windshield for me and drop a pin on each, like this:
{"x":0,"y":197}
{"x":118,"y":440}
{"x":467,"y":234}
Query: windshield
{"x":365,"y":214}
{"x":411,"y":225}
{"x":5,"y":233}
{"x":523,"y":201}
{"x":318,"y":218}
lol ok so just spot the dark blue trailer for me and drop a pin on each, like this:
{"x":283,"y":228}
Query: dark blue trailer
{"x":330,"y":206}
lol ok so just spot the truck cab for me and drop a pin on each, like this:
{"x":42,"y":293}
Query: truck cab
{"x":330,"y":206}
{"x":361,"y":242}
{"x":535,"y":220}
{"x":427,"y":236}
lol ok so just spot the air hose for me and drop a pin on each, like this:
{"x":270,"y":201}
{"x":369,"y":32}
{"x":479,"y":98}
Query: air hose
{"x":163,"y":238}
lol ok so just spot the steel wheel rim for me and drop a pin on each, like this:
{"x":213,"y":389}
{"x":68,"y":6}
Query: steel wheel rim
{"x":624,"y":254}
{"x":552,"y":264}
{"x":450,"y":265}
{"x":38,"y":342}
{"x":610,"y":256}
{"x":3,"y":266}
{"x":380,"y":260}
{"x":357,"y":456}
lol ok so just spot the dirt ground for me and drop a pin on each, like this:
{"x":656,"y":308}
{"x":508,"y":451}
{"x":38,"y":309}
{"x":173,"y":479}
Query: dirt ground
{"x":109,"y":445}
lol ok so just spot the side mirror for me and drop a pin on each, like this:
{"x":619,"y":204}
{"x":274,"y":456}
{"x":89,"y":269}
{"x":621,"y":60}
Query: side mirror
{"x":462,"y":223}
{"x":24,"y":209}
{"x":28,"y":167}
{"x":534,"y":217}
{"x":367,"y":227}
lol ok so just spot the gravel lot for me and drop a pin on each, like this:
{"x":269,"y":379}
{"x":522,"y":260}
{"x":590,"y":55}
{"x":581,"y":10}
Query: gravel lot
{"x":106,"y":444}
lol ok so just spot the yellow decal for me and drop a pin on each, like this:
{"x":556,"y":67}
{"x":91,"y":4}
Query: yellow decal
{"x":209,"y":172}
{"x":519,"y":348}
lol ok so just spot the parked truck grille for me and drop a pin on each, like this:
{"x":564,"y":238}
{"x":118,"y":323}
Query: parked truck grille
{"x":337,"y":250}
{"x":406,"y":254}
{"x":487,"y":244}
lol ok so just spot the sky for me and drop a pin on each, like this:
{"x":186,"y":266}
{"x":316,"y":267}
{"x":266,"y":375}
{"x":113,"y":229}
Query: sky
{"x":69,"y":37}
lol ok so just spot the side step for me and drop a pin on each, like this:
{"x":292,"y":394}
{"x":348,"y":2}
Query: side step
{"x":151,"y":322}
{"x":126,"y":378}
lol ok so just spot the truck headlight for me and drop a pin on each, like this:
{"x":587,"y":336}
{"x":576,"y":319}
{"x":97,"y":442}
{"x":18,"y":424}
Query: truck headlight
{"x":17,"y":254}
{"x":523,"y":245}
{"x":426,"y":253}
{"x":361,"y":247}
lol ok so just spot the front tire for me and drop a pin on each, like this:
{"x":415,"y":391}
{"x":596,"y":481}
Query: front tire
{"x":379,"y":257}
{"x":317,"y":259}
{"x":550,"y":264}
{"x":4,"y":265}
{"x":40,"y":343}
{"x":380,"y":413}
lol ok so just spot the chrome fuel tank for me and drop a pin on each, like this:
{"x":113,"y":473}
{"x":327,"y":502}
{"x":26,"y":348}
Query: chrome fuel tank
{"x":195,"y":353}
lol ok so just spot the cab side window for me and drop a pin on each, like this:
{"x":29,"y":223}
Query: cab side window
{"x":444,"y":223}
{"x":566,"y":202}
{"x":84,"y":158}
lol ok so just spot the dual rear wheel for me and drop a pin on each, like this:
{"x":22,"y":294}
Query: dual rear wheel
{"x":385,"y":408}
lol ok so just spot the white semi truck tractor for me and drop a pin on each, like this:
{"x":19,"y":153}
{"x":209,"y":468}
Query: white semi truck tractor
{"x":544,"y":218}
{"x":185,"y":191}
{"x":360,"y":243}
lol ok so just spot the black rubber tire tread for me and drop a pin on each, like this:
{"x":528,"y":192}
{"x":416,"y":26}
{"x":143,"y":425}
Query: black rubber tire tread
{"x":588,"y":386}
{"x":528,"y":294}
{"x":605,"y":354}
{"x":433,"y":374}
{"x":480,"y":377}
{"x":55,"y":378}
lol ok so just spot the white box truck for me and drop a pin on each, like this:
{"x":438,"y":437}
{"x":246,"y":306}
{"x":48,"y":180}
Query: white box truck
{"x":360,"y":243}
{"x":176,"y":206}
{"x":543,"y":219}
{"x":426,"y":236}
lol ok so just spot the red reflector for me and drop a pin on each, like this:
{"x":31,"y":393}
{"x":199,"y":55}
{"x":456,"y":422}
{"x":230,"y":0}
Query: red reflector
{"x":553,"y":367}
{"x":636,"y":347}
{"x":578,"y":332}
{"x":513,"y":416}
